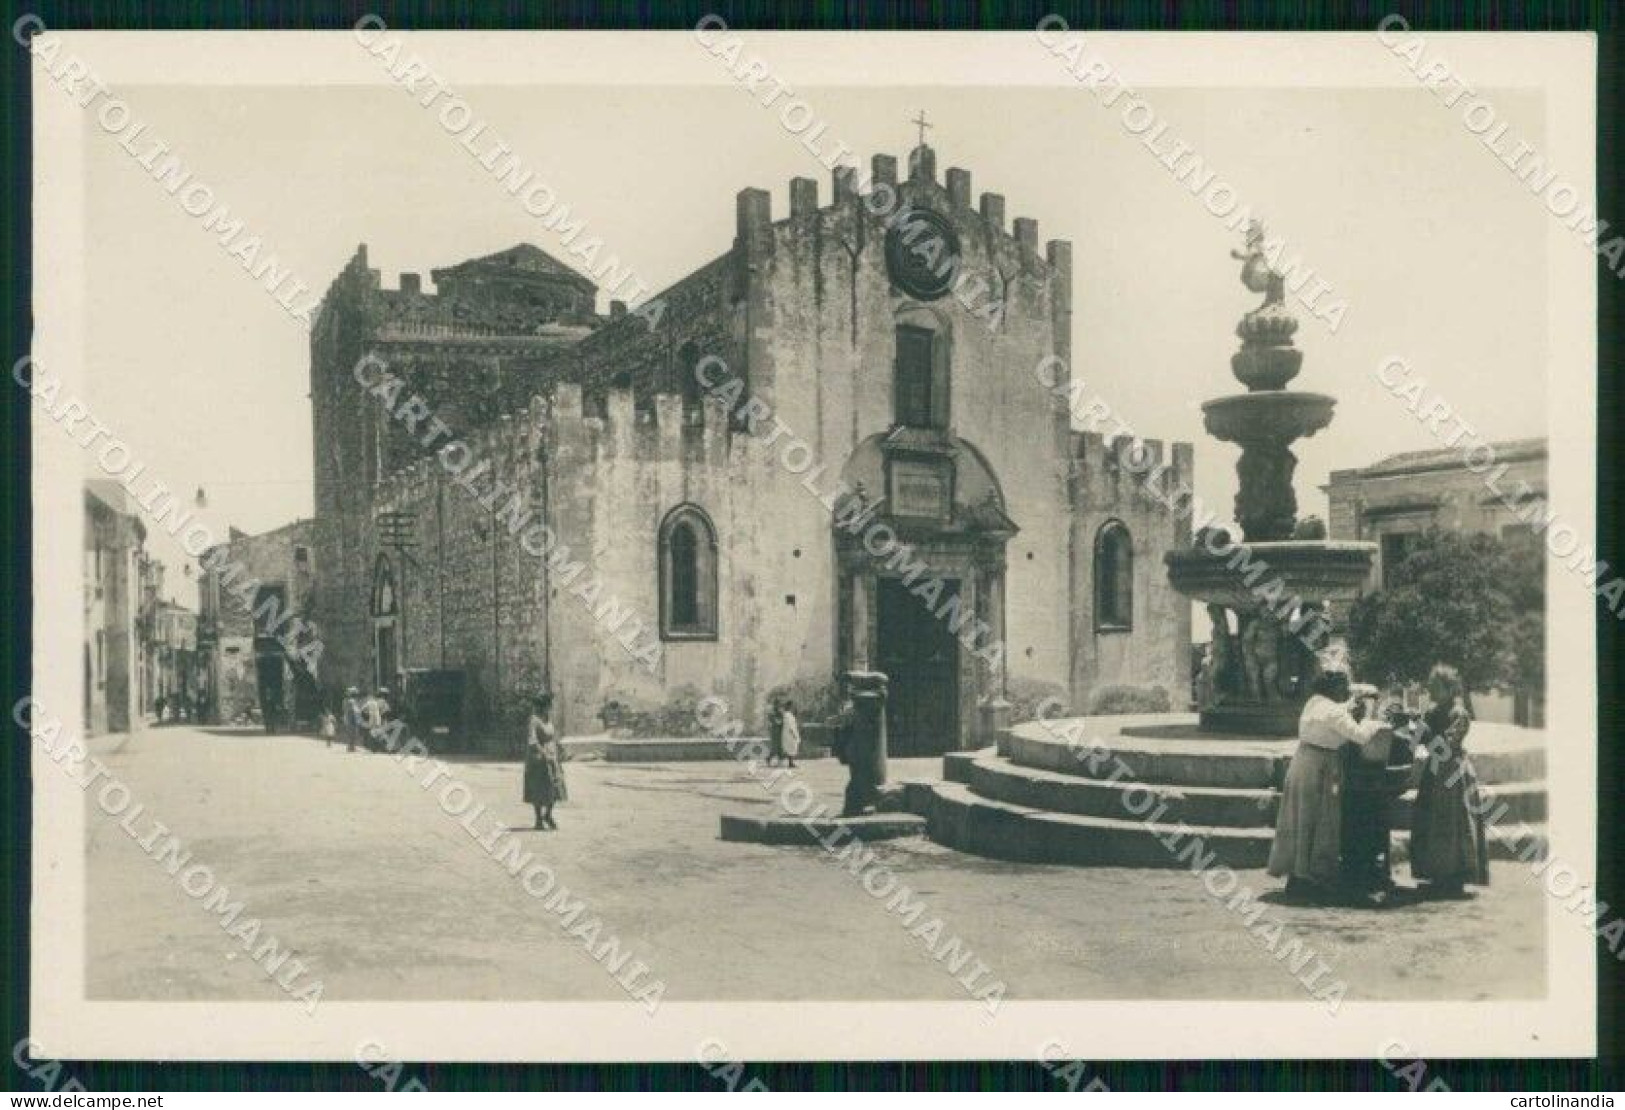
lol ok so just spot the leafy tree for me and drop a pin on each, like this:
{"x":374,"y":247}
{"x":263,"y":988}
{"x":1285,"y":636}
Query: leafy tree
{"x":1526,"y":591}
{"x":1449,"y":602}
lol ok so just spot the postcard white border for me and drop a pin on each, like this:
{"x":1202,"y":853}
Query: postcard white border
{"x":64,"y":1025}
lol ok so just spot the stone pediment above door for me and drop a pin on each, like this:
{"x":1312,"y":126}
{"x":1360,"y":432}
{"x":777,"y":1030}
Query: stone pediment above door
{"x":925,"y":481}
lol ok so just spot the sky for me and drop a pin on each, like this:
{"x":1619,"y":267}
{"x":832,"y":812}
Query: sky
{"x":1438,"y":249}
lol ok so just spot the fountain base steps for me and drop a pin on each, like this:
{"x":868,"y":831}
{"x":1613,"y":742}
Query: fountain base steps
{"x":1038,"y":798}
{"x":958,"y":817}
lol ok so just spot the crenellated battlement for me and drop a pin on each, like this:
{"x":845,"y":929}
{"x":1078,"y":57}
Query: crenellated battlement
{"x":658,"y":433}
{"x":1122,"y":470}
{"x":559,"y":424}
{"x":357,"y":268}
{"x":881,"y":195}
{"x":553,"y":470}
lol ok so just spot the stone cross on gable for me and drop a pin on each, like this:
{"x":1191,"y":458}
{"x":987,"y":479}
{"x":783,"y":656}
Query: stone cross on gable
{"x":919,"y":121}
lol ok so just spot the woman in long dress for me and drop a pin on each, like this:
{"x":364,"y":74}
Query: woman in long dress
{"x":1308,"y":832}
{"x":1448,"y":849}
{"x":544,"y":764}
{"x":775,"y":730}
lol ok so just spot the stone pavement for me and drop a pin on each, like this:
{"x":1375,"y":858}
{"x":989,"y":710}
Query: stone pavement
{"x":349,"y":861}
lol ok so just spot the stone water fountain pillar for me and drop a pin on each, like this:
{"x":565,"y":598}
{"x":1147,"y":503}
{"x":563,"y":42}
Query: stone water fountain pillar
{"x":1265,"y":590}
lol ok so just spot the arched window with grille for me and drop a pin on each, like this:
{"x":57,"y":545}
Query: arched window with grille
{"x":1114,"y":578}
{"x":688,"y":575}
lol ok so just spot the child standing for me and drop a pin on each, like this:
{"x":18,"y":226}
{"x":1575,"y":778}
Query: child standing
{"x":789,"y":732}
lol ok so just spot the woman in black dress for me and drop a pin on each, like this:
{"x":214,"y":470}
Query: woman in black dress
{"x":1448,"y":848}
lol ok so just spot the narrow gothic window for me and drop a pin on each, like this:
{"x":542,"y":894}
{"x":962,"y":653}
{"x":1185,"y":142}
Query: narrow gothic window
{"x":1114,"y":577}
{"x":689,"y":385}
{"x":685,"y":577}
{"x":688,"y":575}
{"x":916,"y":351}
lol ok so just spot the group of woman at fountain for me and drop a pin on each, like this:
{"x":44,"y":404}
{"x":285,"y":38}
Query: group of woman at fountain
{"x":1447,"y":844}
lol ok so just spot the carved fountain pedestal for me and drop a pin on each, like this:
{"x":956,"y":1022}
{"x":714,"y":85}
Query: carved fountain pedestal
{"x":1266,"y":590}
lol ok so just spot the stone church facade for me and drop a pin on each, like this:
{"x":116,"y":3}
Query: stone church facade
{"x":828,"y":448}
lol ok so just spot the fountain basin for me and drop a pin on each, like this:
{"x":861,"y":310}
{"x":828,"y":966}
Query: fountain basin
{"x":1261,"y":367}
{"x":1268,"y":416}
{"x":1241,"y":577}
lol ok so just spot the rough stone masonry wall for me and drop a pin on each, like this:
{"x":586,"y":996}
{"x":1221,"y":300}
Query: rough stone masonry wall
{"x":470,"y":596}
{"x":517,"y":623}
{"x":1108,"y":484}
{"x":449,"y":351}
{"x":478,"y":603}
{"x":341,"y":423}
{"x":267,"y":559}
{"x":467,"y":384}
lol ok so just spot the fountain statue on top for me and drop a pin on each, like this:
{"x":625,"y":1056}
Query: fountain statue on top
{"x":1266,"y":590}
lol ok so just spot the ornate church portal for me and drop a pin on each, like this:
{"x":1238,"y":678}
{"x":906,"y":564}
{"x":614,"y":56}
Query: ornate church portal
{"x":920,"y":547}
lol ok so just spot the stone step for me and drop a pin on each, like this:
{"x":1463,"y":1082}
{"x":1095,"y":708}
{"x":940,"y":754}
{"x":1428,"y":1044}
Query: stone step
{"x":1181,"y":757}
{"x":956,"y":765}
{"x":793,"y":830}
{"x":959,"y":818}
{"x":673,"y":750}
{"x":1236,"y":765}
{"x":585,"y":747}
{"x":1237,"y":807}
{"x":1231,"y":807}
{"x":1498,"y":766}
{"x":1504,"y":843}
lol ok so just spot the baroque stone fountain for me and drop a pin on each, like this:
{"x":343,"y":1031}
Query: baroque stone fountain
{"x":1266,"y":590}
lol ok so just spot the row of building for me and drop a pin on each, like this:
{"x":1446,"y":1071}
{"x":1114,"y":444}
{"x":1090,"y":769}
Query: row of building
{"x":140,"y":649}
{"x":149,"y":657}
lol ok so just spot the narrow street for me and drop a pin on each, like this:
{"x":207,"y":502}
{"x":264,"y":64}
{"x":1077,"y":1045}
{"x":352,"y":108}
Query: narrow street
{"x":350,"y":862}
